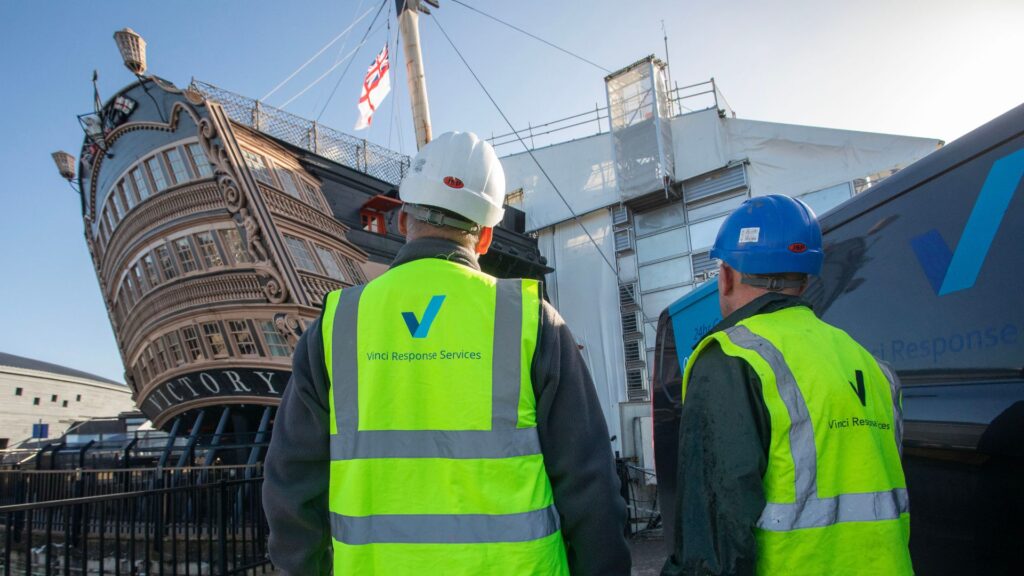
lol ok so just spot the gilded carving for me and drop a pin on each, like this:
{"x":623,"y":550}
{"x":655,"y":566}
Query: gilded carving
{"x":253,"y":236}
{"x":288,"y":327}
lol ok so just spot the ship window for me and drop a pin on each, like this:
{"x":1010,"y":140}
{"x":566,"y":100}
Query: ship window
{"x":78,"y":398}
{"x":163,"y":256}
{"x":300,"y":254}
{"x":288,"y":183}
{"x":64,"y":404}
{"x":126,"y":196}
{"x":139,"y":179}
{"x":150,"y":267}
{"x":119,"y":210}
{"x":128,"y":193}
{"x":330,"y":263}
{"x":175,"y":354}
{"x":192,"y":345}
{"x":208,"y":248}
{"x":178,"y":169}
{"x":186,"y":256}
{"x":242,"y":335}
{"x":156,"y":169}
{"x":161,"y":354}
{"x":18,"y":391}
{"x":258,"y":166}
{"x":215,"y":339}
{"x":140,"y":284}
{"x":106,"y":217}
{"x":53,"y":398}
{"x":128,"y":290}
{"x":199,"y":160}
{"x":232,"y":242}
{"x":150,"y":360}
{"x":140,"y":368}
{"x":354,"y":271}
{"x":277,"y":345}
{"x":35,"y":401}
{"x":312,"y":195}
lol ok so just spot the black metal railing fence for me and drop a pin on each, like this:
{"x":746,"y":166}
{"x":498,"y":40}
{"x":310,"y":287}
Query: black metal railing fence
{"x":210,"y":528}
{"x":25,"y":486}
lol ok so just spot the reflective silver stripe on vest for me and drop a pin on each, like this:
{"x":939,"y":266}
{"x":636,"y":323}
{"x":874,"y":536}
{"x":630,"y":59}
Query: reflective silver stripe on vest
{"x":818,"y":512}
{"x":444,"y":528}
{"x":897,"y":408}
{"x":435,"y":443}
{"x":504,"y":440}
{"x":809,"y":511}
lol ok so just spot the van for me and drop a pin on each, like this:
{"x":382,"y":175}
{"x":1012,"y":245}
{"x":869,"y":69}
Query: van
{"x":925,"y":270}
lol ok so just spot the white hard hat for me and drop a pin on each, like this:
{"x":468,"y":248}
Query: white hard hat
{"x":459,"y":172}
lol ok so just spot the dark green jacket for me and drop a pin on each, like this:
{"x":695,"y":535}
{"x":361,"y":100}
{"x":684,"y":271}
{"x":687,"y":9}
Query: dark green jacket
{"x":724,"y":434}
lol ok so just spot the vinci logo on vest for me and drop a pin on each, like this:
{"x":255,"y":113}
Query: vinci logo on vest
{"x":419,"y":328}
{"x":950,"y":271}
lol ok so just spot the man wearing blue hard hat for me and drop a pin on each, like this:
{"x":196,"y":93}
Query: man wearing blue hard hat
{"x":790,"y":431}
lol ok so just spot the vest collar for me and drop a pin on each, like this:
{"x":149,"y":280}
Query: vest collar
{"x":764,"y":304}
{"x":436,"y":248}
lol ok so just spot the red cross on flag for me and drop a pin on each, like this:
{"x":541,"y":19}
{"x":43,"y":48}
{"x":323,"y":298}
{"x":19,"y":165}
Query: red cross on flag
{"x":376,"y":86}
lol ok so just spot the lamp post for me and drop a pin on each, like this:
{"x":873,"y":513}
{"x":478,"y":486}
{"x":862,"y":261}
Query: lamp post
{"x":133,"y":52}
{"x":66,"y":166}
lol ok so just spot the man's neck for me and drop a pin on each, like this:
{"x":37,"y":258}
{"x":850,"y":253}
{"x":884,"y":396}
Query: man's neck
{"x":434,"y":247}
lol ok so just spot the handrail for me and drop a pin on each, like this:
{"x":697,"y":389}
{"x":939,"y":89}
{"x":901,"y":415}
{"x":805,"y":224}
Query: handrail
{"x":10,"y":508}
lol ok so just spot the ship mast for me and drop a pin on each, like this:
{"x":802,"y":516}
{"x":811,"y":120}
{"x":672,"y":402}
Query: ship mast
{"x":408,"y":26}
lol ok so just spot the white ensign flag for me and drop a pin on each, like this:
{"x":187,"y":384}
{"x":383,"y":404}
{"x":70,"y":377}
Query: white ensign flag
{"x":376,"y":86}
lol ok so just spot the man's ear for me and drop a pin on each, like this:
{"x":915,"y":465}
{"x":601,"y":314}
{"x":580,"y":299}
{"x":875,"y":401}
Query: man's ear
{"x":726,"y":280}
{"x":403,"y":223}
{"x":484,"y":243}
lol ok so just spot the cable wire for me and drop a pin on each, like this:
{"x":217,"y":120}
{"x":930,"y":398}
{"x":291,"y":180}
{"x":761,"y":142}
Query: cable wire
{"x":575,"y":217}
{"x":535,"y":37}
{"x":345,"y":71}
{"x":325,"y":74}
{"x":317,"y":55}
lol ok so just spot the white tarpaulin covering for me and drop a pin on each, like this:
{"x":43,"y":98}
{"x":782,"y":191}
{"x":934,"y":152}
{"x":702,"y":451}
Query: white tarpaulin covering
{"x":785,"y":158}
{"x":582,"y":169}
{"x":586,"y":293}
{"x":781,"y":158}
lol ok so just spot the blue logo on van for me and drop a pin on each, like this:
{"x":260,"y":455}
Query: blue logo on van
{"x":420,"y":328}
{"x":949,"y":271}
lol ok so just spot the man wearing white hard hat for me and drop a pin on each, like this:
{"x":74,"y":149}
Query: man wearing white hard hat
{"x":440,"y":420}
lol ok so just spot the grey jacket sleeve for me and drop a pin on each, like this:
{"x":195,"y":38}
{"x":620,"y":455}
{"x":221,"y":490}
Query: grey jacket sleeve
{"x":577,"y":454}
{"x":296,"y":469}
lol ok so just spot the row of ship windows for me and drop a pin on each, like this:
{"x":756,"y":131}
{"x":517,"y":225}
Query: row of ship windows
{"x":280,"y":178}
{"x":240,"y":338}
{"x":211,"y":249}
{"x":176,"y":165}
{"x":176,"y":257}
{"x":327,"y":262}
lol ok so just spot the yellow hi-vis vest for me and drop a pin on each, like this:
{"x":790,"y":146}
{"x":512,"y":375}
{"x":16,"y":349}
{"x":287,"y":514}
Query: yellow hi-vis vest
{"x":836,"y":496}
{"x":436,"y":467}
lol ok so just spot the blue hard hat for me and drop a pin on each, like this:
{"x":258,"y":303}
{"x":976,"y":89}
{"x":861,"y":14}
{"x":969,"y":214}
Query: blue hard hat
{"x":771,"y":235}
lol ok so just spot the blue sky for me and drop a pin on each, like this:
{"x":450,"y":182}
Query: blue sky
{"x":933,"y":68}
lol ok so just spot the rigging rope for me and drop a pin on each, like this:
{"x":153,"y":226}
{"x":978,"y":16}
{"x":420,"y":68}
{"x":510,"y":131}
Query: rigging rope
{"x":537,"y":38}
{"x":345,"y":71}
{"x":575,"y":217}
{"x":317,"y":55}
{"x":325,"y":74}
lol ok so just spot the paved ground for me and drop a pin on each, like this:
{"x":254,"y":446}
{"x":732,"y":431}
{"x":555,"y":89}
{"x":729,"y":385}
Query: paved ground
{"x":648,"y":553}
